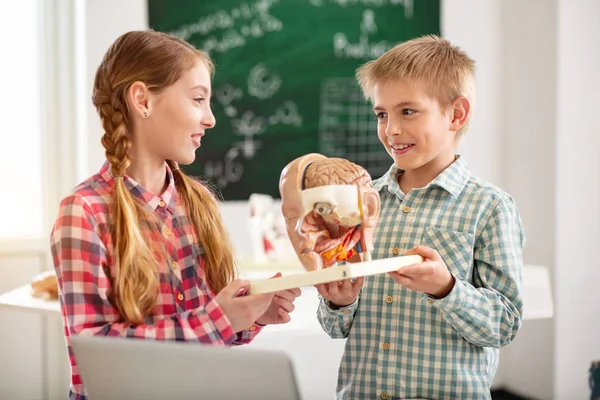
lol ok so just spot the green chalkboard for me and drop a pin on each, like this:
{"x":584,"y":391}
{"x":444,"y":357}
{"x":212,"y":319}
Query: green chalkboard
{"x":284,"y":83}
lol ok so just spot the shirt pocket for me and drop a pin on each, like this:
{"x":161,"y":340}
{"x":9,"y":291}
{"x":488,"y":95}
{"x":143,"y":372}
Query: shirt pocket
{"x":455,"y":248}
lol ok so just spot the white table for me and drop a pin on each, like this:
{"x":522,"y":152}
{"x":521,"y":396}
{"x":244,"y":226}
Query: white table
{"x":22,"y":299}
{"x":55,"y":365}
{"x":316,"y":370}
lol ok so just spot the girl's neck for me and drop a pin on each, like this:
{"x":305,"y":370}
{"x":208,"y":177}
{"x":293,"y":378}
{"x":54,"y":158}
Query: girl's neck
{"x":151,"y":174}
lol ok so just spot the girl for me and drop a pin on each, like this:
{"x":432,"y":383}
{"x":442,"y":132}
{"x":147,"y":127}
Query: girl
{"x":139,"y":249}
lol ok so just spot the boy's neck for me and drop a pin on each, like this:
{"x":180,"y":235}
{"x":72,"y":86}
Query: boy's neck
{"x":421,"y":177}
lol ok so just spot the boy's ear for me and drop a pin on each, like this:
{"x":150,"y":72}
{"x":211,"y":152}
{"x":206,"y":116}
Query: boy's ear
{"x":461,"y":109}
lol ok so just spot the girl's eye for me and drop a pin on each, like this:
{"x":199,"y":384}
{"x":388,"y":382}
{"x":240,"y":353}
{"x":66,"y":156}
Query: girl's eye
{"x":408,"y":111}
{"x":199,"y":100}
{"x":381,"y":115}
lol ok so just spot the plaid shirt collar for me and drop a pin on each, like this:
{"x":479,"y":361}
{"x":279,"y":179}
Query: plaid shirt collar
{"x":149,"y":199}
{"x":453,"y":179}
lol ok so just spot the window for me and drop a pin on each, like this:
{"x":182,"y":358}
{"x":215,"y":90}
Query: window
{"x":21,"y":187}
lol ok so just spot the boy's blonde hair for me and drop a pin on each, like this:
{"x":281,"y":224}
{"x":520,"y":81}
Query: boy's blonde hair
{"x":443,"y":71}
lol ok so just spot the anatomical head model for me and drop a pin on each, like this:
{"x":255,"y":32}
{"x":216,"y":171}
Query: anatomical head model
{"x":330,"y":209}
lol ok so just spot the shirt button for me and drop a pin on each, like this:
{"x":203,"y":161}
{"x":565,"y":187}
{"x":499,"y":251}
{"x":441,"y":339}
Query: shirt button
{"x":349,"y":324}
{"x":180,"y":297}
{"x":161,"y":203}
{"x":386,"y":346}
{"x":175,"y":265}
{"x":166,"y":231}
{"x":406,"y":209}
{"x":430,"y":301}
{"x":396,"y":251}
{"x":384,"y":396}
{"x":389,"y":299}
{"x":252,"y":327}
{"x":346,"y":312}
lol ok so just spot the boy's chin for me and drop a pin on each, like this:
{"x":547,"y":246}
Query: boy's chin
{"x":404,"y":164}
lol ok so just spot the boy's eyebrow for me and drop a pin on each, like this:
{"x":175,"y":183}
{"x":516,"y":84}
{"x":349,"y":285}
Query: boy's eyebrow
{"x":399,"y":105}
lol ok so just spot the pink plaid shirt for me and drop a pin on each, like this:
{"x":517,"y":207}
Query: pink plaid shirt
{"x":82,"y":251}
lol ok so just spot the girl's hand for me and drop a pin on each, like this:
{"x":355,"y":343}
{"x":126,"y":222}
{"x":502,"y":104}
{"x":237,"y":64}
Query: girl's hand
{"x":281,"y":307}
{"x":242,"y":311}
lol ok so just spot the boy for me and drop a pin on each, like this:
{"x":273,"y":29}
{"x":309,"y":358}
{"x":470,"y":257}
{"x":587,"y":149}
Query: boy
{"x":431,"y":330}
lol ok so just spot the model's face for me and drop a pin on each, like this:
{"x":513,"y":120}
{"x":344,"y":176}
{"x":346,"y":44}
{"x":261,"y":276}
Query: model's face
{"x":326,"y":221}
{"x":338,"y":220}
{"x":336,"y":204}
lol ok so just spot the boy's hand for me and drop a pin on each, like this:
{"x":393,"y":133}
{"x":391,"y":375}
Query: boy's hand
{"x":431,"y":276}
{"x":341,"y":294}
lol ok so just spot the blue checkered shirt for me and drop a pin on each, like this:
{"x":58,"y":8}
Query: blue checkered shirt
{"x":403,"y":344}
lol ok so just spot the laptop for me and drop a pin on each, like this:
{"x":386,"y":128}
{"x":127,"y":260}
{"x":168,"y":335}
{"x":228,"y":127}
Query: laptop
{"x":122,"y":368}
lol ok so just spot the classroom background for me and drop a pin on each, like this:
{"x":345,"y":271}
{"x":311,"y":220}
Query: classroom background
{"x":534,"y":133}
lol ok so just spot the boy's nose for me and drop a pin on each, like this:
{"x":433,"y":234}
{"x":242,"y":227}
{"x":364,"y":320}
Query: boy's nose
{"x":393,"y":132}
{"x":393,"y":128}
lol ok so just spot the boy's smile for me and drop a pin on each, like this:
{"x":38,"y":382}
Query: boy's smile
{"x":401,"y":148}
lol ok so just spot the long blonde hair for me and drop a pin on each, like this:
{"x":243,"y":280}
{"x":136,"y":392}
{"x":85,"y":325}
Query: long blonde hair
{"x":158,"y":60}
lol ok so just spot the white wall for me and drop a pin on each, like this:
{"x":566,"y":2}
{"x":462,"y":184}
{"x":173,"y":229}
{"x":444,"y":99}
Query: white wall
{"x":550,"y":80}
{"x":104,"y":24}
{"x":529,"y":136}
{"x":577,"y":323}
{"x":481,"y":38}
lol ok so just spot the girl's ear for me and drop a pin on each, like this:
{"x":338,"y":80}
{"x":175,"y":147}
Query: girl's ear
{"x":138,"y":99}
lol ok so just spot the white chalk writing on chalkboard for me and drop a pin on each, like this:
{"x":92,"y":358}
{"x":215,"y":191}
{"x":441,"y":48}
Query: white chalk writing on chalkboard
{"x":225,"y":171}
{"x":228,"y":29}
{"x":226,"y":95}
{"x":368,"y":26}
{"x":248,"y":124}
{"x":407,"y":4}
{"x":224,"y":19}
{"x":364,"y":49}
{"x":262,"y":84}
{"x":286,"y":114}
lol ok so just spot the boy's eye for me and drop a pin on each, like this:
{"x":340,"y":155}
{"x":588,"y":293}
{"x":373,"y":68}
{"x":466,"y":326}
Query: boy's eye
{"x":408,"y":111}
{"x":199,"y":100}
{"x":381,"y":115}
